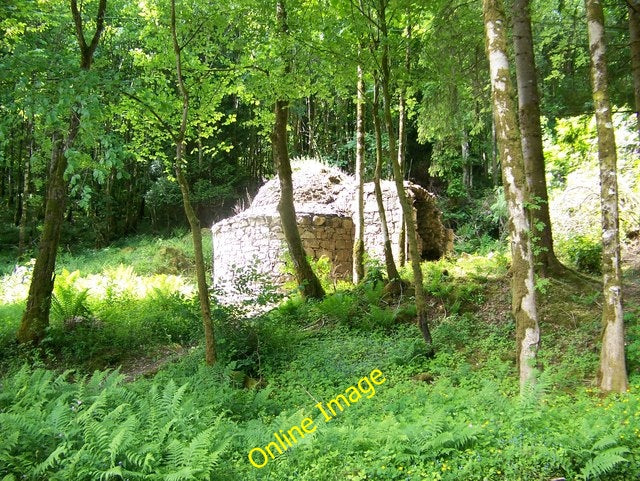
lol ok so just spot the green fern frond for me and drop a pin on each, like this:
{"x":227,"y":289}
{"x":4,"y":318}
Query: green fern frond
{"x":95,"y":408}
{"x":175,"y":453}
{"x":605,"y":442}
{"x":604,"y":462}
{"x":122,"y":437}
{"x":68,"y":302}
{"x":196,"y":453}
{"x":52,"y":460}
{"x":115,"y":472}
{"x":178,"y":396}
{"x":59,"y":419}
{"x":184,"y":474}
{"x":166,"y":400}
{"x":95,"y":382}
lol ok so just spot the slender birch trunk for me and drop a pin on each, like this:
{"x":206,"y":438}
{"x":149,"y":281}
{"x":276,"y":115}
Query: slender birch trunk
{"x":613,"y":373}
{"x":523,"y":302}
{"x":407,"y":207}
{"x":308,"y":282}
{"x":358,"y":242}
{"x":402,"y":145}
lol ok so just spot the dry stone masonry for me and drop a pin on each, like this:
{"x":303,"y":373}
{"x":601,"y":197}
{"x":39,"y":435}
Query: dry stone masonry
{"x":251,"y":244}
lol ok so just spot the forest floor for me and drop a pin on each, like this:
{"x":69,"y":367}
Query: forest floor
{"x":456,"y":416}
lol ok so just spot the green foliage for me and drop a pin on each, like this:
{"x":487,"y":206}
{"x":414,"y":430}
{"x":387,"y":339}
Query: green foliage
{"x":69,"y":302}
{"x":103,"y":315}
{"x":571,"y":146}
{"x":479,"y":223}
{"x":254,"y":286}
{"x":96,"y":428}
{"x":583,"y":251}
{"x":454,"y":416}
{"x":632,"y":324}
{"x":456,"y":294}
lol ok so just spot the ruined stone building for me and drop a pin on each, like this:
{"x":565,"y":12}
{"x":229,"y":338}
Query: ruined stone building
{"x":325,"y":207}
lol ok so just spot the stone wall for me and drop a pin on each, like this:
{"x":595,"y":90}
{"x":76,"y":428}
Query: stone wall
{"x":254,"y":243}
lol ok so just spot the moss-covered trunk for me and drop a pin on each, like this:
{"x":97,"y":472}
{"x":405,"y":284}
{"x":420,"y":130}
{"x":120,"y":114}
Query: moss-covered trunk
{"x":407,"y":208}
{"x":544,"y":256}
{"x":36,"y":315}
{"x":308,"y":282}
{"x":392,"y":271}
{"x":523,"y":293}
{"x":613,"y":373}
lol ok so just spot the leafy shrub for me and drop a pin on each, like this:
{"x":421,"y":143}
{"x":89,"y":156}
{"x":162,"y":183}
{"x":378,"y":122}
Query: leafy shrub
{"x":584,"y":252}
{"x":457,"y":294}
{"x":379,"y":318}
{"x":341,"y":307}
{"x":254,"y":286}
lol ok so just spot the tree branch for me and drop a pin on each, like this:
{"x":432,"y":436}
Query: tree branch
{"x":87,"y":51}
{"x":153,"y":112}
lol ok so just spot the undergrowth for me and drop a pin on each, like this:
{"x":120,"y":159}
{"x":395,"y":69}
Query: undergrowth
{"x":456,"y":416}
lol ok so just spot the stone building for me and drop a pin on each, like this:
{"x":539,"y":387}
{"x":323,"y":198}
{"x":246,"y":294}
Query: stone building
{"x":252,"y":242}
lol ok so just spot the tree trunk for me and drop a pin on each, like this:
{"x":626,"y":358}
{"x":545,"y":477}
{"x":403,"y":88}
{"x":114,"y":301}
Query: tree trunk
{"x":467,"y":173}
{"x":529,"y":112}
{"x":26,"y":193}
{"x":392,"y":271}
{"x":613,"y":372}
{"x":310,"y":126}
{"x":36,"y":315}
{"x":495,"y":170}
{"x":515,"y":187}
{"x":634,"y":38}
{"x":308,"y":282}
{"x":22,"y":153}
{"x":407,"y":208}
{"x":358,"y":242}
{"x":194,"y":223}
{"x":402,"y":145}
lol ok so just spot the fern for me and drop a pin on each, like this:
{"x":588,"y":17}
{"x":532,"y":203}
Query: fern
{"x":97,"y":428}
{"x":52,"y":460}
{"x":68,"y":302}
{"x":604,"y":462}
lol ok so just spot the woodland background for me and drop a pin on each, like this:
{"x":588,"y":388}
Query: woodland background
{"x":125,"y":125}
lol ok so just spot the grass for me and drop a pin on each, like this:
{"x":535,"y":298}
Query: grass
{"x":456,"y":416}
